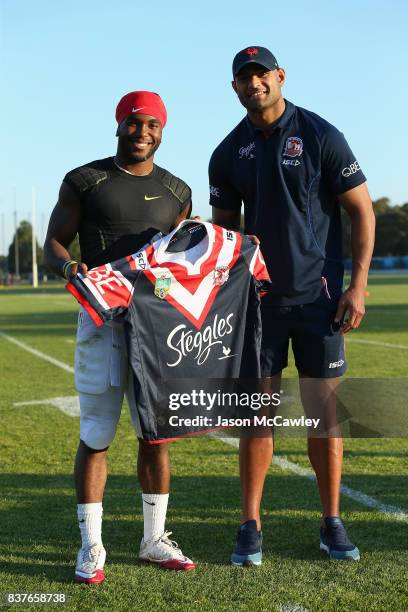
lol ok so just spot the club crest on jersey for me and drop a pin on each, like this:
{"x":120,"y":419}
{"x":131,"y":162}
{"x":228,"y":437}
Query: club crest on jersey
{"x":220,"y":275}
{"x":162,"y":286}
{"x":293,"y":147}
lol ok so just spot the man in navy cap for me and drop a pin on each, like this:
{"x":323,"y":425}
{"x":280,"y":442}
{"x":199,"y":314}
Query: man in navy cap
{"x":293,"y":171}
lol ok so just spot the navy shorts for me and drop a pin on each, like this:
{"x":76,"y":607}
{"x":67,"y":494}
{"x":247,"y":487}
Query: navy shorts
{"x":317,"y":344}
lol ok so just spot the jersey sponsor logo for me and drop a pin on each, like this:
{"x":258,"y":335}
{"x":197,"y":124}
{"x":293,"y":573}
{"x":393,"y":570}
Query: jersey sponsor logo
{"x":152,"y":197}
{"x":290,"y":162}
{"x":162,"y":286}
{"x":221,"y":275}
{"x":247,"y":152}
{"x":351,"y":169}
{"x":336,"y":364}
{"x":293,"y":147}
{"x":141,"y":261}
{"x":215,"y":191}
{"x":108,"y":286}
{"x":184,"y":342}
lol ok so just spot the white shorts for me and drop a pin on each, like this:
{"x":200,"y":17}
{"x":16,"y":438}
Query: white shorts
{"x":102,"y":378}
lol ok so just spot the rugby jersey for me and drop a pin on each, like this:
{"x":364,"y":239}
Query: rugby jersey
{"x":190,"y":301}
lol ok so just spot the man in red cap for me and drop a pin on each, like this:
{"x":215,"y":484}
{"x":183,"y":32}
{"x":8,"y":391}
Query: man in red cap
{"x":116,"y":205}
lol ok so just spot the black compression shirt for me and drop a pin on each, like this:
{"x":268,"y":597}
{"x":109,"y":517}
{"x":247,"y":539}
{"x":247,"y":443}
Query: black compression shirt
{"x":122,"y":212}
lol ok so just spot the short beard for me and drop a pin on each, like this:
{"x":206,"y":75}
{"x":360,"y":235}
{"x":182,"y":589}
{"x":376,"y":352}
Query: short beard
{"x":130,"y":158}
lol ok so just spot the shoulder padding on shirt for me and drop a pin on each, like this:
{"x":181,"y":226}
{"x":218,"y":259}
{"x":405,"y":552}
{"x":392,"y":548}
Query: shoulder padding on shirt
{"x":178,"y":188}
{"x":84,"y":178}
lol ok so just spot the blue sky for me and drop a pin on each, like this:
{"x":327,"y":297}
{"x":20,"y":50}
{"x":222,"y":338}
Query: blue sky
{"x":66,"y":64}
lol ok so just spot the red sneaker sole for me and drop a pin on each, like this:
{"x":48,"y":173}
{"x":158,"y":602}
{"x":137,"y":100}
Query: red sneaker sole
{"x":97,"y":579}
{"x":177,"y":566}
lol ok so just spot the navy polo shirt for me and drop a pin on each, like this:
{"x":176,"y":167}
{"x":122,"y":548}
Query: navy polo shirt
{"x":288,"y":183}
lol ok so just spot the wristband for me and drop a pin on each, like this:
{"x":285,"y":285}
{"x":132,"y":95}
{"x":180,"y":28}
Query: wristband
{"x":65,"y":267}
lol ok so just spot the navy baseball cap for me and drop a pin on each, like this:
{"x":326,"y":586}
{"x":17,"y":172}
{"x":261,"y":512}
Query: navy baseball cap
{"x":254,"y":55}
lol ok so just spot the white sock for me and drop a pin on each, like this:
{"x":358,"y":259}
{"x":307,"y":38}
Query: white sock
{"x":90,"y":523}
{"x":154,"y":514}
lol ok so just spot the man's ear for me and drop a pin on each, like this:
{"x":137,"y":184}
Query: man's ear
{"x":281,"y":76}
{"x":234,"y":86}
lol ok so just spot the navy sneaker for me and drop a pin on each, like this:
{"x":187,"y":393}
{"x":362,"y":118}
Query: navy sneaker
{"x":334,"y":540}
{"x":248,"y":549}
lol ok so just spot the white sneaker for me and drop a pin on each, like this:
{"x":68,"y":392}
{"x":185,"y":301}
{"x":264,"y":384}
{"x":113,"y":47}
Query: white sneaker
{"x":166,"y":553}
{"x":90,"y":562}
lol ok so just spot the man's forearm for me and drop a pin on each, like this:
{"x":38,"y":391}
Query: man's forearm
{"x":55,"y":255}
{"x":362,"y":245}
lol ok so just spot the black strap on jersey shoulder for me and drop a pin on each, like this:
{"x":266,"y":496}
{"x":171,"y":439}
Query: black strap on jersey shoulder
{"x":84,"y":178}
{"x":177,"y":187}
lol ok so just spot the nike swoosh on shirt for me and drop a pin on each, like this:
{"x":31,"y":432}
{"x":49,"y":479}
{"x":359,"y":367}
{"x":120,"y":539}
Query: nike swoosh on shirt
{"x":134,"y":110}
{"x":152,"y":198}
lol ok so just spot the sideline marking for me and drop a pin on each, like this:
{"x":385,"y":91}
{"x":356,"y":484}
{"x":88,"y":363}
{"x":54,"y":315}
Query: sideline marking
{"x":281,"y":461}
{"x":69,"y":405}
{"x":284,"y":463}
{"x":40,"y":354}
{"x":376,"y":343}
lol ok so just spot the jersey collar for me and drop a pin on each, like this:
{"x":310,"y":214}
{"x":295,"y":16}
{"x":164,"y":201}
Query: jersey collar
{"x":162,"y":256}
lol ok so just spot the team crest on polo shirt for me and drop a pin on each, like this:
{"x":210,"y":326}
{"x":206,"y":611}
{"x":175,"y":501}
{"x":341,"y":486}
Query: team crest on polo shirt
{"x":293,"y":147}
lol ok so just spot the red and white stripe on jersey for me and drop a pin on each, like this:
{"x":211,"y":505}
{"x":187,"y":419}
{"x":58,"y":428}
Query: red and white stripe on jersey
{"x":193,"y":287}
{"x":194,"y":294}
{"x":257,"y":266}
{"x":96,"y":318}
{"x":109,"y":286}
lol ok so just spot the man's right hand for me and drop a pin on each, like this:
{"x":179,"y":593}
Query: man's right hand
{"x":74,"y":268}
{"x":254,"y":239}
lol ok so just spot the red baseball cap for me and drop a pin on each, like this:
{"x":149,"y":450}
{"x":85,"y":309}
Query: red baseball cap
{"x":143,"y":102}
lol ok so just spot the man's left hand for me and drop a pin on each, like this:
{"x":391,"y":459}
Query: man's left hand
{"x":352,"y":302}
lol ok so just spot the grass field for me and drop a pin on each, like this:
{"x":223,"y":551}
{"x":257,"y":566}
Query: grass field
{"x":39,"y":536}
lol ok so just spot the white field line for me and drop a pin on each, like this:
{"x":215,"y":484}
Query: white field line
{"x":392,"y":511}
{"x":376,"y":343}
{"x":292,"y":607}
{"x":39,"y":354}
{"x":68,"y":405}
{"x":281,"y":461}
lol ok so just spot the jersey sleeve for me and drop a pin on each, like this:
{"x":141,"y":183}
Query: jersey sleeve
{"x":104,"y":292}
{"x":339,"y":165}
{"x":257,"y":267}
{"x":222,"y":192}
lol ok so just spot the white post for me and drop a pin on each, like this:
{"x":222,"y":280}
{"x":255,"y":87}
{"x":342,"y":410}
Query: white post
{"x":33,"y":240}
{"x":16,"y":245}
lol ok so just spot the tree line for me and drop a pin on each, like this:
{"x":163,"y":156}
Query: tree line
{"x":391,"y":234}
{"x":391,"y":239}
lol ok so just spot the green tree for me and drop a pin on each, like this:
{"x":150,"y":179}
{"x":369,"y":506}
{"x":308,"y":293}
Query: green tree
{"x":3,"y":266}
{"x":381,"y":206}
{"x":392,"y":232}
{"x":24,"y":232}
